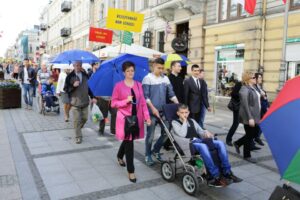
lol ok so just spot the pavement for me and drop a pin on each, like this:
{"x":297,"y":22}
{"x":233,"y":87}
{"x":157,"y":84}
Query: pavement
{"x":40,"y":160}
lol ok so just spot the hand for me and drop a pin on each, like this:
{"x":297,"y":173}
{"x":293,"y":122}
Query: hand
{"x":148,"y":122}
{"x":251,"y":122}
{"x":155,"y":112}
{"x":94,"y":100}
{"x":76,"y":84}
{"x":208,"y":134}
{"x":129,"y":99}
{"x":209,"y":109}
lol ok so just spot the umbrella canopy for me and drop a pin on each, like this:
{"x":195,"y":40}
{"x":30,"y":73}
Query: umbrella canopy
{"x":281,"y":126}
{"x":103,"y":81}
{"x":67,"y":57}
{"x":133,"y":49}
{"x":184,"y":61}
{"x":85,"y":66}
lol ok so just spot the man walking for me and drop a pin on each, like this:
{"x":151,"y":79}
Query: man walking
{"x":157,"y":88}
{"x":177,"y":81}
{"x":76,"y":87}
{"x":27,"y":76}
{"x":205,"y":103}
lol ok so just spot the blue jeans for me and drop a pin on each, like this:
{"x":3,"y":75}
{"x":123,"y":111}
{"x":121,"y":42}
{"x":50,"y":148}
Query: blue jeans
{"x":27,"y":93}
{"x":202,"y":115}
{"x":49,"y":100}
{"x":150,"y":135}
{"x":207,"y":159}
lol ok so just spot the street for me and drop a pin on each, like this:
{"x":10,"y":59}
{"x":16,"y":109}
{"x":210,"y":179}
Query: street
{"x":40,"y":160}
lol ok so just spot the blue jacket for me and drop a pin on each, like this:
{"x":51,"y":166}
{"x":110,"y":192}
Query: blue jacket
{"x":48,"y":89}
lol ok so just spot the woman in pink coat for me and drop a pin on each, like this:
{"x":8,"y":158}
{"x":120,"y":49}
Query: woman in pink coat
{"x":128,"y":98}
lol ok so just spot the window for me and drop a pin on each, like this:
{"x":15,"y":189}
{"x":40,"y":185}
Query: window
{"x":132,"y":5}
{"x":161,"y":41}
{"x":146,"y":4}
{"x":295,"y":4}
{"x":230,"y":10}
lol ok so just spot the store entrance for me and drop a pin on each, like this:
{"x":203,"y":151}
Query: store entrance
{"x":293,"y":69}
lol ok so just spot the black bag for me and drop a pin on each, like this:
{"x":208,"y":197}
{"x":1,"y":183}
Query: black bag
{"x":285,"y":193}
{"x":233,"y":105}
{"x":131,"y":125}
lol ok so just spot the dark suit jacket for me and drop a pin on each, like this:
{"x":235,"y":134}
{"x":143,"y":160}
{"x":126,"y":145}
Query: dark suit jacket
{"x":204,"y":93}
{"x":31,"y":75}
{"x":192,"y":95}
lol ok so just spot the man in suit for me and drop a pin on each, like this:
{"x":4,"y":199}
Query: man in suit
{"x":176,"y":80}
{"x":205,"y":103}
{"x":192,"y":93}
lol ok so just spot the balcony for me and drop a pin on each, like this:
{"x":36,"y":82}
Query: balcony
{"x":43,"y":27}
{"x":66,"y":6}
{"x":65,"y":32}
{"x":166,"y":8}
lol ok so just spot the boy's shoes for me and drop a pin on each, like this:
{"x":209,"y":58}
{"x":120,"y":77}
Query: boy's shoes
{"x":231,"y":177}
{"x":149,"y":161}
{"x":157,"y":157}
{"x":217,"y":183}
{"x":259,"y":141}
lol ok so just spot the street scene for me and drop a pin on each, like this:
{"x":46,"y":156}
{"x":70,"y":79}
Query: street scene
{"x":156,"y":99}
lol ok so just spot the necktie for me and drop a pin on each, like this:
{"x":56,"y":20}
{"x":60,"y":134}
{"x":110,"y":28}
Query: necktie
{"x":198,"y":84}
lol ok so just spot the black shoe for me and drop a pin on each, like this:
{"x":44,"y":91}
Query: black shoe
{"x":232,"y":178}
{"x":237,"y":148}
{"x":121,"y":162}
{"x":254,"y":148}
{"x":133,"y":180}
{"x":251,"y":160}
{"x":78,"y":140}
{"x":217,"y":183}
{"x":259,"y":141}
{"x":229,"y":143}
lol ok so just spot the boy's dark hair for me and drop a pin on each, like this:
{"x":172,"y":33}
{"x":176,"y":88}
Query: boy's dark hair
{"x":201,"y":70}
{"x":195,"y":66}
{"x":182,"y":107}
{"x":127,"y":64}
{"x":26,"y":59}
{"x":159,"y":61}
{"x":257,"y":75}
{"x":173,"y":63}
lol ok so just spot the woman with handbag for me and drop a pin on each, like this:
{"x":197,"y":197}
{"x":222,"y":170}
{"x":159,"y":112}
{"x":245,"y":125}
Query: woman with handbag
{"x":249,"y":114}
{"x":128,"y":98}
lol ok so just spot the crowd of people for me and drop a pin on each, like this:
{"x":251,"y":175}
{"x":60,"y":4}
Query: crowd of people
{"x":133,"y":103}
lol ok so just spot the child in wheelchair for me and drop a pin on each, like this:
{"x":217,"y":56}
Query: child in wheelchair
{"x":48,"y":95}
{"x":201,"y":141}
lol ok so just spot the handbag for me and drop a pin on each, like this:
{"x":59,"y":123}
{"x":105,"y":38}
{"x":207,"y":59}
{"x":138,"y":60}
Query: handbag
{"x":233,"y":105}
{"x":285,"y":193}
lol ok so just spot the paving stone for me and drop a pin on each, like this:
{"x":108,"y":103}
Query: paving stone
{"x":93,"y":184}
{"x":64,"y":191}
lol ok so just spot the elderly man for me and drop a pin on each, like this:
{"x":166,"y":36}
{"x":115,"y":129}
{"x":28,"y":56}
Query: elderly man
{"x":76,"y":86}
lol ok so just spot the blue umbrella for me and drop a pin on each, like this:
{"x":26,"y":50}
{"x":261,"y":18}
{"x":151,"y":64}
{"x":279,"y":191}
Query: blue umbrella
{"x":103,"y":81}
{"x":68,"y":57}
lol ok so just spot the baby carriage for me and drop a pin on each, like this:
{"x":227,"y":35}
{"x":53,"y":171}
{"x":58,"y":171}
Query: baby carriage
{"x":184,"y":160}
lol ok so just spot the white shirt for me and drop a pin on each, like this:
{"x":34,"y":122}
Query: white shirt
{"x":197,"y":82}
{"x":61,"y":82}
{"x":26,"y":76}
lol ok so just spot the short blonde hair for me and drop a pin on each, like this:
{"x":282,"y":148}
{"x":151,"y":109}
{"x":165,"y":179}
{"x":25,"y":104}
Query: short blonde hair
{"x":246,"y":77}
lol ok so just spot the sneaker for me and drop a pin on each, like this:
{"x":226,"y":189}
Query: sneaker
{"x":157,"y":156}
{"x":78,"y":140}
{"x":149,"y":161}
{"x":47,"y":109}
{"x":259,"y":141}
{"x":217,"y":183}
{"x":232,"y":178}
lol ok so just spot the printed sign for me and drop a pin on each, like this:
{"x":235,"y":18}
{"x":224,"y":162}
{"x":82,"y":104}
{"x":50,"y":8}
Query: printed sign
{"x":124,"y":20}
{"x":100,"y":35}
{"x":127,"y":38}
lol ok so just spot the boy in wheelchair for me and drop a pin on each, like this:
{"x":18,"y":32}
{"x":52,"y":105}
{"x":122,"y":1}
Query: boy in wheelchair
{"x":48,"y":94}
{"x":188,"y":128}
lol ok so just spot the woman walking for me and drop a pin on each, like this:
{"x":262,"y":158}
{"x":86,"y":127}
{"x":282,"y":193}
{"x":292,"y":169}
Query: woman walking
{"x":128,"y":98}
{"x":249,"y":114}
{"x":63,"y":95}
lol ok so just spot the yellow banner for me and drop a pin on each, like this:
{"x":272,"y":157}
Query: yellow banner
{"x":124,"y":20}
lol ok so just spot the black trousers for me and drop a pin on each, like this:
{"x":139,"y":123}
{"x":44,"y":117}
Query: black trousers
{"x":104,"y":106}
{"x":247,"y":139}
{"x":126,"y":149}
{"x":234,"y":126}
{"x":195,"y":116}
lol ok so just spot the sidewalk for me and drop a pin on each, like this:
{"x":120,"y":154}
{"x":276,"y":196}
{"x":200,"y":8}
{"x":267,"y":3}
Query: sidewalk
{"x":41,"y":155}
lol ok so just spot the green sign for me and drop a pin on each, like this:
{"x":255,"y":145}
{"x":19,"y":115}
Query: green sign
{"x":293,"y":40}
{"x":126,"y":38}
{"x":230,"y":55}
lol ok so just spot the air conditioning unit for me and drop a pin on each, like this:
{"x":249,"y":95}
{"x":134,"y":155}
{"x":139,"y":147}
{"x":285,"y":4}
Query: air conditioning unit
{"x":65,"y":32}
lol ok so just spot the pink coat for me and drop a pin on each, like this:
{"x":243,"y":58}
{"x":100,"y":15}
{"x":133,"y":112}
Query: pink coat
{"x":119,"y":101}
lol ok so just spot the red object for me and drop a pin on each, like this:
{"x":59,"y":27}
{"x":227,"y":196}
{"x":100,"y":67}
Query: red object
{"x":284,"y":1}
{"x":285,"y":96}
{"x":100,"y":35}
{"x":250,"y":6}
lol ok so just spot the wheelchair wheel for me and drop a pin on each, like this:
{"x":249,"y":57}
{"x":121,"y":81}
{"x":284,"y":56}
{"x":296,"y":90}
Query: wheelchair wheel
{"x":168,"y":171}
{"x":190,"y":183}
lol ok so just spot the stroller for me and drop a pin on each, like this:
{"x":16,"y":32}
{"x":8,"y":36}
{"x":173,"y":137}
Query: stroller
{"x":185,"y":160}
